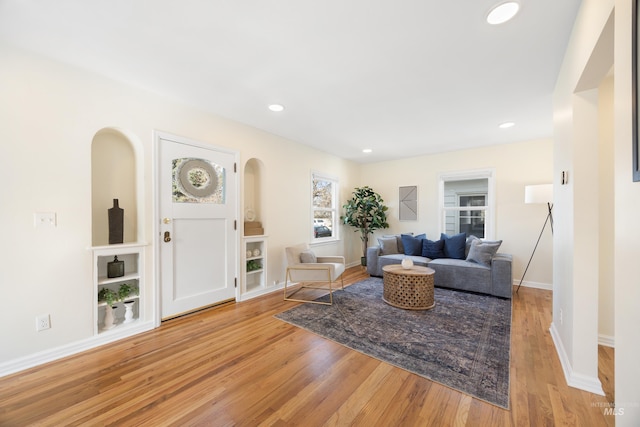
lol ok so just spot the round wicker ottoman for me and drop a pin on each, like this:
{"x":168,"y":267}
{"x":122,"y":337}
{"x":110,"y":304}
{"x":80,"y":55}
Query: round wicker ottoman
{"x":410,"y":288}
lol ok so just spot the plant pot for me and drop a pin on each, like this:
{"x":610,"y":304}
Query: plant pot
{"x":363,"y":261}
{"x":128,"y":311}
{"x":108,"y":317}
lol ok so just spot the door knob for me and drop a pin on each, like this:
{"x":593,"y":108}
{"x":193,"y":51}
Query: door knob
{"x":167,"y":236}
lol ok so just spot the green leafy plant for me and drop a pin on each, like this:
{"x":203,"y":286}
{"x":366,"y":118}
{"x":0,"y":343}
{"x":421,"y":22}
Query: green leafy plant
{"x":125,"y":290}
{"x":111,"y":297}
{"x":253,"y":265}
{"x":108,"y":295}
{"x":366,"y":212}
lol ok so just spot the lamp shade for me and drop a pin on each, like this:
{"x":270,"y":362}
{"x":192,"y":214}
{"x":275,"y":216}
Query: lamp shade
{"x":542,"y":193}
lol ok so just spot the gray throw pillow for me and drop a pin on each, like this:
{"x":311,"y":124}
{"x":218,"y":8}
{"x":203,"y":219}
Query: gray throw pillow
{"x":482,"y":252}
{"x":308,"y":257}
{"x":388,"y":245}
{"x":398,"y":241}
{"x":468,"y":244}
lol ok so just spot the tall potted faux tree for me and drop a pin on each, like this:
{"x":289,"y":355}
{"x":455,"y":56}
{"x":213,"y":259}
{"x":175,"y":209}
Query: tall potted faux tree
{"x":366,"y":212}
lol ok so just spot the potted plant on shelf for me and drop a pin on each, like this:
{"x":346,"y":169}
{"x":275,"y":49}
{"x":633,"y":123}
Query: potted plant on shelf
{"x":110,"y":297}
{"x":253,"y":265}
{"x":125,"y":291}
{"x":366,"y":212}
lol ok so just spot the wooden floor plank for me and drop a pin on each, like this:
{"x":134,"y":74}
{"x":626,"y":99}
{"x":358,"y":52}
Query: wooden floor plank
{"x":237,"y":365}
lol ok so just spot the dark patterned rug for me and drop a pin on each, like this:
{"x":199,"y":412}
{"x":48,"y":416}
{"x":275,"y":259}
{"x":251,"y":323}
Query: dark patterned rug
{"x":462,"y":343}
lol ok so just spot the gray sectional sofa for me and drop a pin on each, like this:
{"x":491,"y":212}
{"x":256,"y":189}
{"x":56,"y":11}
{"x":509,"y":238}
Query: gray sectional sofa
{"x":481,"y":270}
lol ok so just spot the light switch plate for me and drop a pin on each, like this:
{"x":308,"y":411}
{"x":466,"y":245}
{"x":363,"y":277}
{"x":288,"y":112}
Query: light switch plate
{"x":44,"y":219}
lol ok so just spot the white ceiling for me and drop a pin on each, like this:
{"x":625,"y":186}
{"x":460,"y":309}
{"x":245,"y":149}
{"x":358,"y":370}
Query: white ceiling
{"x":402,"y":77}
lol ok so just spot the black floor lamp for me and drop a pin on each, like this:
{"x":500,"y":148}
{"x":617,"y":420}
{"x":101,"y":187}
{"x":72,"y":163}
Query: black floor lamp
{"x":542,"y":193}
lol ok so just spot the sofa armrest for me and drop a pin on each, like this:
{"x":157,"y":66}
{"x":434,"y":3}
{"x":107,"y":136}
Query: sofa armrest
{"x":501,"y":275}
{"x":311,"y":272}
{"x":331,"y":259}
{"x":373,"y":252}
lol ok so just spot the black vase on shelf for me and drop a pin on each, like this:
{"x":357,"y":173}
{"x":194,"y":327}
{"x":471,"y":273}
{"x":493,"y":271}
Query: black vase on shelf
{"x":116,"y":223}
{"x":115,"y":268}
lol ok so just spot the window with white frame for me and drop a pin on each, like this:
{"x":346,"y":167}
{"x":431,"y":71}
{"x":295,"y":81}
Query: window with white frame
{"x":467,"y":203}
{"x":324,"y":207}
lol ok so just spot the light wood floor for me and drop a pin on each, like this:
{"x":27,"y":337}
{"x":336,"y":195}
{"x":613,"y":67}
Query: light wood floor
{"x":237,"y":365}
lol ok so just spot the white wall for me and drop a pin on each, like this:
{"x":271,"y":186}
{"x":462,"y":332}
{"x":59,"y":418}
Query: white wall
{"x":601,"y":37}
{"x":627,"y":232}
{"x":606,"y":199}
{"x":517,"y":224}
{"x":49,"y":115}
{"x":576,"y":247}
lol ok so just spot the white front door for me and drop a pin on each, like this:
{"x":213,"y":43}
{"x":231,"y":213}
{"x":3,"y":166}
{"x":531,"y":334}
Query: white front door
{"x":197,"y":240}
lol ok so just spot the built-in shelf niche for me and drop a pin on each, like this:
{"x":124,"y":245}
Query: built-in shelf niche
{"x":115,"y":174}
{"x":254,"y":247}
{"x":254,"y":189}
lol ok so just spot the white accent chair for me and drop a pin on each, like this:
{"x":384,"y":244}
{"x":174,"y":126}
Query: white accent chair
{"x":310,"y":274}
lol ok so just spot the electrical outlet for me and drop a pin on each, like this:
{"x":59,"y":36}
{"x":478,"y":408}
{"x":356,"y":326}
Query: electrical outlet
{"x":44,"y":219}
{"x":43,"y":322}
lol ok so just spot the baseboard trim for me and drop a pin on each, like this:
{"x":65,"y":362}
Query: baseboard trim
{"x":535,"y":285}
{"x":580,"y":381}
{"x":278,"y":287}
{"x":607,"y":340}
{"x":42,"y":357}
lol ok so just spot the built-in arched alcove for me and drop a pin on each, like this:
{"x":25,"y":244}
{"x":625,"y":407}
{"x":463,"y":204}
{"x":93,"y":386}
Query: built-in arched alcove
{"x":116,"y":173}
{"x":254,"y":243}
{"x":253,"y":190}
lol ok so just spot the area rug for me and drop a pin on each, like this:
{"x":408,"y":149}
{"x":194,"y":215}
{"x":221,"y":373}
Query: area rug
{"x":462,"y":343}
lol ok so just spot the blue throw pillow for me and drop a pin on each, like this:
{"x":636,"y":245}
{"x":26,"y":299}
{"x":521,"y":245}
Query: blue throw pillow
{"x":433,"y":250}
{"x":454,"y":246}
{"x":413,"y":244}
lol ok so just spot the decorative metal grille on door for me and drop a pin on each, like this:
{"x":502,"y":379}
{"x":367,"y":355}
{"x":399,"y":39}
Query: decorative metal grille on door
{"x":198,"y":181}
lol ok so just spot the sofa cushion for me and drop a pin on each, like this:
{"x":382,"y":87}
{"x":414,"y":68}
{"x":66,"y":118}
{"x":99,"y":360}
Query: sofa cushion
{"x":388,"y":245}
{"x":433,"y":250}
{"x":454,"y":246}
{"x":482,"y":251}
{"x":461,"y":274}
{"x":308,"y":257}
{"x":413,"y":244}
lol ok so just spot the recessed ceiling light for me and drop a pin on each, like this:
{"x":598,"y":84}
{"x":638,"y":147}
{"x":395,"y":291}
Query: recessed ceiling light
{"x":506,"y":125}
{"x":276,"y":107}
{"x":502,"y":12}
{"x":367,"y":150}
